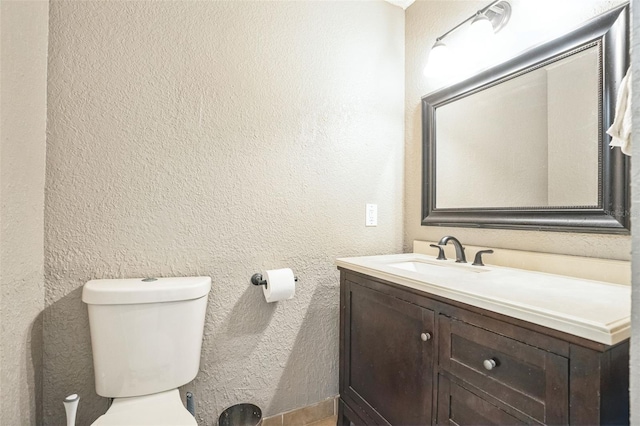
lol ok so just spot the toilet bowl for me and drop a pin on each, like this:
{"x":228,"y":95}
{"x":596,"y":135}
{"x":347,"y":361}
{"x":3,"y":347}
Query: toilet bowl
{"x":146,"y":338}
{"x":158,"y":409}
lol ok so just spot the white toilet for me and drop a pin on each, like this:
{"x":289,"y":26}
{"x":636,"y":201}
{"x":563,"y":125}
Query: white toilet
{"x":146,"y":336}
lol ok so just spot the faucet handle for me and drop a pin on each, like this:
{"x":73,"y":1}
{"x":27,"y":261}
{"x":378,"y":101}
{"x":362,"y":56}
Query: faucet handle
{"x":477,"y":261}
{"x":441,"y":255}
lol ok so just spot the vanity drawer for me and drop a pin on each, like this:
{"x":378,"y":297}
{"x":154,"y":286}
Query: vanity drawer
{"x":528,"y":379}
{"x":459,"y":406}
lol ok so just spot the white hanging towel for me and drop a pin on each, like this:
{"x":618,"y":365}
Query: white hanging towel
{"x":620,"y":130}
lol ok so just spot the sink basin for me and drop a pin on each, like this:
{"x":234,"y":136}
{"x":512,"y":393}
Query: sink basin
{"x":425,"y":267}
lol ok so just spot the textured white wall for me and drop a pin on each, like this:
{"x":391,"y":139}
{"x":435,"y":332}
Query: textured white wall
{"x":220,"y":138}
{"x":23,"y":101}
{"x":532,"y":22}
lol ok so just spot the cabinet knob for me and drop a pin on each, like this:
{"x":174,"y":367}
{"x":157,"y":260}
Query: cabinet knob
{"x":425,"y":336}
{"x":489,"y":364}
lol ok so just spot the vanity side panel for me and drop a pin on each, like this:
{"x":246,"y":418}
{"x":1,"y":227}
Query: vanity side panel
{"x":599,"y":384}
{"x":614,"y":387}
{"x":584,"y":378}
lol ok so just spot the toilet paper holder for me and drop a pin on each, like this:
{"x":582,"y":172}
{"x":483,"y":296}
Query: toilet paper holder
{"x":256,"y":279}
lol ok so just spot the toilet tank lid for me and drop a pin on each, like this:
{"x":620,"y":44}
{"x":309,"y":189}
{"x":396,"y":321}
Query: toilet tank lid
{"x":144,"y":290}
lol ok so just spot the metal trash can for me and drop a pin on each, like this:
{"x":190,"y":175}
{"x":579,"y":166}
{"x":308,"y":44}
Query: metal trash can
{"x":241,"y":415}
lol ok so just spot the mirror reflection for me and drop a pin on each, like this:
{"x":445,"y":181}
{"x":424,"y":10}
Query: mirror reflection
{"x":530,"y":141}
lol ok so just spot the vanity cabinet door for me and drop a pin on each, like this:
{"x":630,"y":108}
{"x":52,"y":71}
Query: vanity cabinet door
{"x":388,"y":357}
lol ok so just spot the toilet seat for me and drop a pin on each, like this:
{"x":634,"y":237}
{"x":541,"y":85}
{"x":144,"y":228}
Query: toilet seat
{"x":158,"y":409}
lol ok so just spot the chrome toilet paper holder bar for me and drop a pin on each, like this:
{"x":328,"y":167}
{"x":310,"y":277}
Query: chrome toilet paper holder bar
{"x":256,"y":279}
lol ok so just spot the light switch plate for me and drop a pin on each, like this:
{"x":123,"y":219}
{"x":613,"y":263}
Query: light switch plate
{"x":371,"y":215}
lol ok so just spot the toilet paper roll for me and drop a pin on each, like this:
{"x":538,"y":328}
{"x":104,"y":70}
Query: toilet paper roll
{"x":281,"y":285}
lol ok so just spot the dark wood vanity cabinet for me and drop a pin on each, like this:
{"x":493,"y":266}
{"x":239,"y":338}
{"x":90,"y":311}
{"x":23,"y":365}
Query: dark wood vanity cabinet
{"x":410,"y":358}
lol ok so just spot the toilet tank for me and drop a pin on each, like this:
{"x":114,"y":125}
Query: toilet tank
{"x":146,"y":334}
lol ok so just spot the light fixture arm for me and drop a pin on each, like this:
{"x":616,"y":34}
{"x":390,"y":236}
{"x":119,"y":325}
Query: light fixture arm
{"x":479,"y":12}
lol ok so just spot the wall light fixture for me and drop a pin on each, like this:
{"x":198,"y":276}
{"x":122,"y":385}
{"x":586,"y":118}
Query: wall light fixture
{"x":484,"y":24}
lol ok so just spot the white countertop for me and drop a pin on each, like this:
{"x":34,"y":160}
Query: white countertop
{"x":593,"y":310}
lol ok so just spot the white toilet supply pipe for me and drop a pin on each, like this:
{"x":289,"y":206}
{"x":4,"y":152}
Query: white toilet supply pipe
{"x":71,"y":408}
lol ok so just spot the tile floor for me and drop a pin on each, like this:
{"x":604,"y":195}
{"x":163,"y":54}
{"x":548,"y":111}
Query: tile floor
{"x":323,"y":413}
{"x":329,"y":421}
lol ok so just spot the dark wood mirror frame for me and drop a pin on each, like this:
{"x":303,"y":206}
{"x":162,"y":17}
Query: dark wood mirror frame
{"x":612,"y":214}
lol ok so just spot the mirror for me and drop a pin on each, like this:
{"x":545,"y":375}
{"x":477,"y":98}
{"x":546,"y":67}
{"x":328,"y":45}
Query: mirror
{"x":523,"y":145}
{"x":533,"y":141}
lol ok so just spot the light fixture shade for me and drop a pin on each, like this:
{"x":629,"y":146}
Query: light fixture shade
{"x":481,"y":30}
{"x":438,"y":59}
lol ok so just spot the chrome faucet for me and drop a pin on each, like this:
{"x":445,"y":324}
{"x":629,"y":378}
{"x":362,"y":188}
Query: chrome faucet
{"x":460,"y":257}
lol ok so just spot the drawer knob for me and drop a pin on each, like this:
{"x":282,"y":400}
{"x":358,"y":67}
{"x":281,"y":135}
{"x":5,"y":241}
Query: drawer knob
{"x":425,"y":336}
{"x":489,"y":364}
